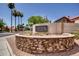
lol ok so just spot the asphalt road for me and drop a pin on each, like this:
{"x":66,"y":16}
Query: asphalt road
{"x":5,"y":34}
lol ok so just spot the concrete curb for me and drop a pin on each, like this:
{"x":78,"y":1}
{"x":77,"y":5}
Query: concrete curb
{"x":8,"y":46}
{"x":9,"y":49}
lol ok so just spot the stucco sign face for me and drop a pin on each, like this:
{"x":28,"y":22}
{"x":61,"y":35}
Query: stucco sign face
{"x":43,"y":28}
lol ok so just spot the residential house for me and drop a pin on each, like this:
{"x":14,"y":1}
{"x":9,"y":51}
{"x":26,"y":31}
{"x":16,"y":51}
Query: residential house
{"x":67,"y":19}
{"x":76,"y":19}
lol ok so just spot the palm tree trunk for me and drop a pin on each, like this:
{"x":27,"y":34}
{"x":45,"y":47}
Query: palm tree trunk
{"x":15,"y":23}
{"x":21,"y":20}
{"x":18,"y":23}
{"x":11,"y":20}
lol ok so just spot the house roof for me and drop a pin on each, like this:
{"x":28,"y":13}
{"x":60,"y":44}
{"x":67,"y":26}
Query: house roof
{"x":68,"y":18}
{"x":75,"y":18}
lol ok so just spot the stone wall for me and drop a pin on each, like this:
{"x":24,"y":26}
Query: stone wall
{"x":44,"y":45}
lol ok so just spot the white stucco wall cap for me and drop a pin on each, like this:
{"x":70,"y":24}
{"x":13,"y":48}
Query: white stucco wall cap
{"x":47,"y":36}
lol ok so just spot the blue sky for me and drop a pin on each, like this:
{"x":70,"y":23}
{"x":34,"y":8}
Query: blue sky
{"x":53,"y":11}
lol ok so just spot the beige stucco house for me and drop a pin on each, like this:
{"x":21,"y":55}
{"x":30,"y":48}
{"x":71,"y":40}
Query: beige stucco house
{"x":76,"y":19}
{"x":68,"y":19}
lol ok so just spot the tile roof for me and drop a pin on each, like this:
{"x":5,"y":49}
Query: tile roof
{"x":68,"y":18}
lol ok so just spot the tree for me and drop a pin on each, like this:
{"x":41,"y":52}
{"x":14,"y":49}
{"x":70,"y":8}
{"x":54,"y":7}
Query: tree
{"x":1,"y":24}
{"x":46,"y":20}
{"x":18,"y":14}
{"x":7,"y":29}
{"x":15,"y":15}
{"x":11,"y":6}
{"x":21,"y":15}
{"x":37,"y":20}
{"x":27,"y":27}
{"x":21,"y":27}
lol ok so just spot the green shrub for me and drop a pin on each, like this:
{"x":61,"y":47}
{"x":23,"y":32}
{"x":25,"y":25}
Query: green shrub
{"x":76,"y":34}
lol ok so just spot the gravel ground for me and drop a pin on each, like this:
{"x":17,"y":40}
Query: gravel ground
{"x":17,"y":52}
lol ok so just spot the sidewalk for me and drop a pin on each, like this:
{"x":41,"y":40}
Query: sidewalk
{"x":4,"y":49}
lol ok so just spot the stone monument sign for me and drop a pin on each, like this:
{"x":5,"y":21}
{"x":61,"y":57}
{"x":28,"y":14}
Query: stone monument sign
{"x":43,"y":28}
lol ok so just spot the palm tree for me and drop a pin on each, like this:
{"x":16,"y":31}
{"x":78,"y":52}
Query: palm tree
{"x":11,"y":6}
{"x":15,"y":15}
{"x":18,"y":14}
{"x":21,"y":15}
